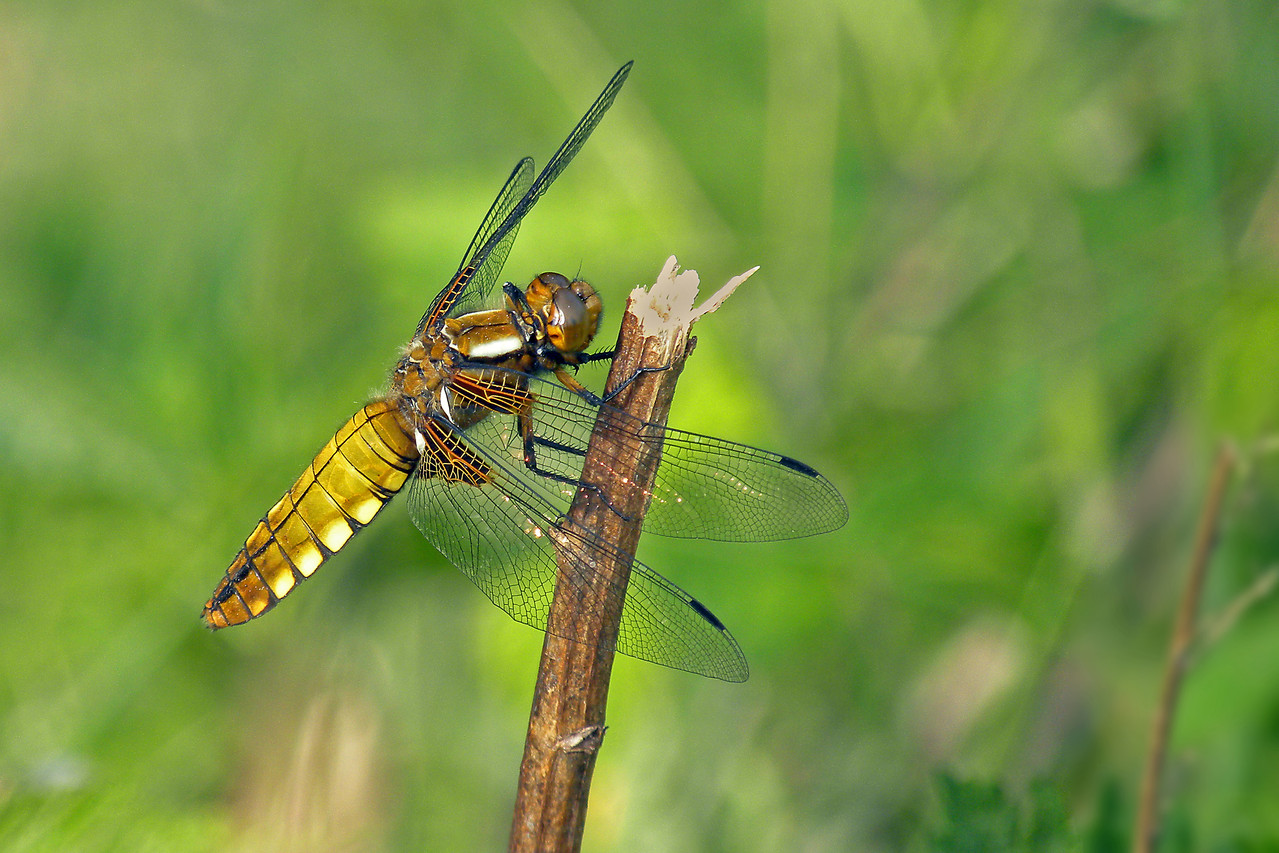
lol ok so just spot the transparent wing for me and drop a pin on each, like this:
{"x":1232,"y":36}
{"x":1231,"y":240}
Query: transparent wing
{"x":706,"y":488}
{"x":471,"y":284}
{"x":492,"y":242}
{"x":501,"y":535}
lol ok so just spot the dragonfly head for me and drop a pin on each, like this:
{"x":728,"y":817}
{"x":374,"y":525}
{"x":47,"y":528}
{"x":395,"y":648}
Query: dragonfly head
{"x":569,"y":311}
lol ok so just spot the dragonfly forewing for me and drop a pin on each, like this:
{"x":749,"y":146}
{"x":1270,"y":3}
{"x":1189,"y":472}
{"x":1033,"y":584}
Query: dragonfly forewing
{"x":706,"y":488}
{"x":471,"y":284}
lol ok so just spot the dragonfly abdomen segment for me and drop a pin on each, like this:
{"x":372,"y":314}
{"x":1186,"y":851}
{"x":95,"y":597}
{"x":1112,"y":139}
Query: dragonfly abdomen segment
{"x":366,"y":462}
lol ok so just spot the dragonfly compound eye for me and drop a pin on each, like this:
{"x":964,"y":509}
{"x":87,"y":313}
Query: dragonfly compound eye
{"x":542,"y":290}
{"x":573,"y":317}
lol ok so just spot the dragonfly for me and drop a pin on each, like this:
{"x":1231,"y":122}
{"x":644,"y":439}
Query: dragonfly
{"x":486,"y":427}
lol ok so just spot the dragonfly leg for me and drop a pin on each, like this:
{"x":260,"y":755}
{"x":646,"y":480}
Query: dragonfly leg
{"x":570,"y":382}
{"x":532,"y":441}
{"x":639,"y":371}
{"x":590,"y":396}
{"x":522,"y":315}
{"x":588,"y":357}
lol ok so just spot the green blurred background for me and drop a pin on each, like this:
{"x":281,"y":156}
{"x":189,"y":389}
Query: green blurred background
{"x":1019,"y":268}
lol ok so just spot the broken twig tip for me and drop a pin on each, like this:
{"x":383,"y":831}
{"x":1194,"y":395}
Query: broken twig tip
{"x":723,"y":293}
{"x":669,"y":302}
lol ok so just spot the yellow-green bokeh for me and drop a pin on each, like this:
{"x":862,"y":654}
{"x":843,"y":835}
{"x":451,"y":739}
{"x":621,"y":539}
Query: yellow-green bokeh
{"x":1019,"y":270}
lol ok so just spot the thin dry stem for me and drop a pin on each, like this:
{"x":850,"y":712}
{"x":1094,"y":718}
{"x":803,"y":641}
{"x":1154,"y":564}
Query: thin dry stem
{"x":566,"y":725}
{"x":1183,"y":639}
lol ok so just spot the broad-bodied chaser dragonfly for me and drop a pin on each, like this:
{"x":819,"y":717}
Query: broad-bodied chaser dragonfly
{"x":488,"y":429}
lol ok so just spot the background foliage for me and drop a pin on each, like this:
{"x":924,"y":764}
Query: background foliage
{"x":1019,"y":270}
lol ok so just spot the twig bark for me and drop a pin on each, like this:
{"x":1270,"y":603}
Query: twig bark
{"x":1183,"y":639}
{"x":566,"y":726}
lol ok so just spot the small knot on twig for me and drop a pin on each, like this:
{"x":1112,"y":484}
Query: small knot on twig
{"x":586,"y":739}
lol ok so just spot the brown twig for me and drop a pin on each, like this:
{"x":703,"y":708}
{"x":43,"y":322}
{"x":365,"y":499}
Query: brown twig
{"x":566,"y":726}
{"x":1183,"y":639}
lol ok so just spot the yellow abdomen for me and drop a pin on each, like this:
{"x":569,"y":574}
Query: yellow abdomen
{"x":348,"y":482}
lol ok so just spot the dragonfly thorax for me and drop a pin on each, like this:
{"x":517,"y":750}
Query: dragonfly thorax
{"x":545,"y":326}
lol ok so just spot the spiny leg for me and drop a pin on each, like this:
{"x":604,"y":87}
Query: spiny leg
{"x":590,"y":396}
{"x":532,"y":440}
{"x":639,"y":371}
